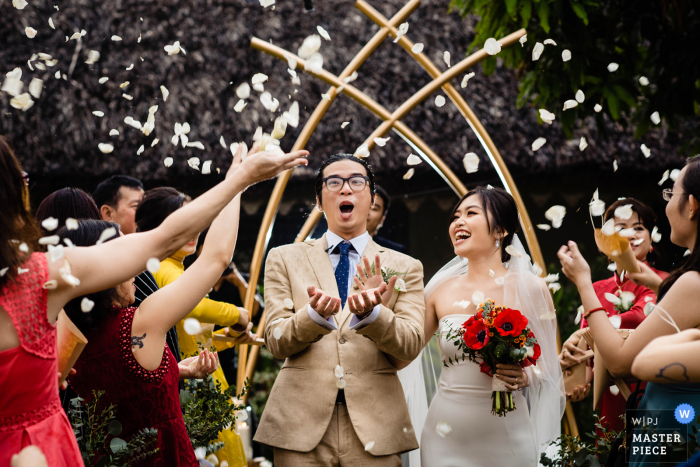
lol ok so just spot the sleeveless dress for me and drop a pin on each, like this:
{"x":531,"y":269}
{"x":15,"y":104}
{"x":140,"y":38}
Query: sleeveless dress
{"x":463,"y":402}
{"x":30,"y":409}
{"x":143,"y":398}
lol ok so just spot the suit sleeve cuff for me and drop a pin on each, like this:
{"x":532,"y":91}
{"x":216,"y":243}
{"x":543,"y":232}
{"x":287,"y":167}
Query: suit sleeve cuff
{"x":356,"y":323}
{"x":318,"y":319}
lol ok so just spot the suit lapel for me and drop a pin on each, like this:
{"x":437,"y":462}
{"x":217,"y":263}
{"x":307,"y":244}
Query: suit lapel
{"x":370,"y":252}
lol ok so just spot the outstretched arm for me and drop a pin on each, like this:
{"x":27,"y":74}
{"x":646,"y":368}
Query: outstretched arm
{"x":106,"y":265}
{"x":670,"y":359}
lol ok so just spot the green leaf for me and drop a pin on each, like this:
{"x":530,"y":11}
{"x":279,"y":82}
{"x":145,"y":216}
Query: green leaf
{"x":117,"y":444}
{"x":580,"y":12}
{"x":526,"y":12}
{"x":115,"y":428}
{"x":543,"y":13}
{"x":613,"y":105}
{"x":510,"y":6}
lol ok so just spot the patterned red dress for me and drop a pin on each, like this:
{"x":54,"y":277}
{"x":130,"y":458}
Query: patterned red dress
{"x":30,"y":410}
{"x":612,"y":406}
{"x":143,"y":398}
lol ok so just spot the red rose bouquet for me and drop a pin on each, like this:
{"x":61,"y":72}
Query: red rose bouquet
{"x":494,"y":335}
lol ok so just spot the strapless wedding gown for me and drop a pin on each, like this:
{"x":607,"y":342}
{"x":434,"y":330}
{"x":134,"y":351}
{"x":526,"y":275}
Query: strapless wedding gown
{"x":463,"y":402}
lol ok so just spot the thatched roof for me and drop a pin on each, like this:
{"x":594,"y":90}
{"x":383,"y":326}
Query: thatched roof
{"x":59,"y":136}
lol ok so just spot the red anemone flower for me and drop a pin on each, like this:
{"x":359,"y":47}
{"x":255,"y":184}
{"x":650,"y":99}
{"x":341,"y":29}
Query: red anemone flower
{"x":476,"y":336}
{"x":510,"y":322}
{"x":484,"y":368}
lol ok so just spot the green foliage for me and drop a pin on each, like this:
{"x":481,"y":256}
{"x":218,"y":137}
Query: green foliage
{"x":573,"y":451}
{"x":650,"y":38}
{"x":208,"y":410}
{"x":97,"y":430}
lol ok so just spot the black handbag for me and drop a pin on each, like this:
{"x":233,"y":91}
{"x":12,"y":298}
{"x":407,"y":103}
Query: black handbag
{"x":618,"y":450}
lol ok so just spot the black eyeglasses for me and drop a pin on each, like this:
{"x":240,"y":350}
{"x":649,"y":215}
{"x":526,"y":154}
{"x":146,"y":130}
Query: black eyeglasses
{"x":356,"y":182}
{"x":668,"y":194}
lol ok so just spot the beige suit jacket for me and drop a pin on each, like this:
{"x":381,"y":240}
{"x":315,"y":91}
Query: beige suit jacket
{"x":302,"y":399}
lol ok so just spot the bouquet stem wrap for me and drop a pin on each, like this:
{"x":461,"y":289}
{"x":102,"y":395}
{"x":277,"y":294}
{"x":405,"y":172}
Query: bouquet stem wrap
{"x":501,"y":398}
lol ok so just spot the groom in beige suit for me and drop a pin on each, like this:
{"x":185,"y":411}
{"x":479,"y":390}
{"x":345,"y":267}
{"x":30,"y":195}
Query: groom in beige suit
{"x":337,"y":400}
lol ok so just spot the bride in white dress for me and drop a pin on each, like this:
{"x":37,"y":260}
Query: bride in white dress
{"x":460,"y":430}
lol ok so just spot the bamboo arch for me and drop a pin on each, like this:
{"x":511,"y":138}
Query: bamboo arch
{"x":391,"y":121}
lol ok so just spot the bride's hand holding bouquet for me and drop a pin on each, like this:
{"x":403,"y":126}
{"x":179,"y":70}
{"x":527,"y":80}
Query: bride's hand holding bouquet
{"x":499,"y":340}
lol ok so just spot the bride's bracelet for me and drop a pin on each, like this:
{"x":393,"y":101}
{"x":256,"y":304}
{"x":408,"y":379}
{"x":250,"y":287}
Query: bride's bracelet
{"x":589,"y":313}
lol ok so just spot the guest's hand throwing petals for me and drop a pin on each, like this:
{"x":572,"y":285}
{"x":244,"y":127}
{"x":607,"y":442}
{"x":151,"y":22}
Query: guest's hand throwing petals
{"x":200,"y":366}
{"x":646,"y":277}
{"x":322,"y":303}
{"x":573,"y":264}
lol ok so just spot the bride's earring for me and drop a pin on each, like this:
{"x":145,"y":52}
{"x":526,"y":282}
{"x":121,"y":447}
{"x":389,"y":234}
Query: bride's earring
{"x":498,"y":243}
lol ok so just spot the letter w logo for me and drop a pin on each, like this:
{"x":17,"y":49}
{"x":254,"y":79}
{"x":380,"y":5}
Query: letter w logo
{"x":684,"y":413}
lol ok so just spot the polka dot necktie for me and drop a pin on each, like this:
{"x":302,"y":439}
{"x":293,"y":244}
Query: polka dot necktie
{"x":342,"y":272}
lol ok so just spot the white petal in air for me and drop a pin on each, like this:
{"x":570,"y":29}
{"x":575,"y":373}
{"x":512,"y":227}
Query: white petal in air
{"x":71,"y":224}
{"x":537,"y":51}
{"x":409,"y":174}
{"x":98,"y":113}
{"x":314,"y":63}
{"x":339,"y":372}
{"x":655,"y":235}
{"x":243,"y":91}
{"x":466,"y":79}
{"x":478,"y":297}
{"x":288,"y":304}
{"x":50,"y":285}
{"x":310,"y":46}
{"x":645,"y":150}
{"x":583,"y":144}
{"x":664,"y":177}
{"x":522,"y":40}
{"x":277,"y":333}
{"x":369,"y":445}
{"x":566,"y":55}
{"x":439,"y":101}
{"x":443,"y":429}
{"x":612,"y":67}
{"x":19,"y":4}
{"x":555,"y":215}
{"x":655,"y":118}
{"x":570,"y":104}
{"x":30,"y":32}
{"x":168,"y":161}
{"x":259,"y":78}
{"x":192,"y":326}
{"x":86,"y":305}
{"x":413,"y":160}
{"x":362,"y":152}
{"x":446,"y":58}
{"x":165,"y":92}
{"x":240,"y":105}
{"x":580,"y":97}
{"x":538,"y":143}
{"x":153,"y":265}
{"x":403,"y":29}
{"x":381,"y":142}
{"x":471,"y":162}
{"x":109,"y":232}
{"x":674,"y":174}
{"x":417,"y":48}
{"x":23,"y":102}
{"x":492,"y":46}
{"x":544,"y":227}
{"x":50,"y":240}
{"x":510,"y":249}
{"x":598,"y":108}
{"x":644,"y":81}
{"x":23,"y":247}
{"x":266,"y":3}
{"x":547,"y":116}
{"x":105,"y":147}
{"x":624,"y":212}
{"x":615,"y":166}
{"x":50,"y":223}
{"x":323,"y":33}
{"x":344,"y":124}
{"x":103,"y":80}
{"x":549,"y":42}
{"x":206,"y":168}
{"x":597,"y":207}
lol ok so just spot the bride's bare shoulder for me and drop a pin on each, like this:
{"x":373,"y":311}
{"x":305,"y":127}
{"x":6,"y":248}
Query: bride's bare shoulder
{"x":445,"y":288}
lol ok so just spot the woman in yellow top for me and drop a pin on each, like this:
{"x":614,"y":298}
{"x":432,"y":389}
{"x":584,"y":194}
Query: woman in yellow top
{"x":158,"y":204}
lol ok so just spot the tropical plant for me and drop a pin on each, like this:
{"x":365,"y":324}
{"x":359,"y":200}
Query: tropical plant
{"x":97,"y":431}
{"x":652,"y":42}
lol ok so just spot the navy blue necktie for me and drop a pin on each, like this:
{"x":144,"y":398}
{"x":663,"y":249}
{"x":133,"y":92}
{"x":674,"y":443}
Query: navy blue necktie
{"x":342,"y":272}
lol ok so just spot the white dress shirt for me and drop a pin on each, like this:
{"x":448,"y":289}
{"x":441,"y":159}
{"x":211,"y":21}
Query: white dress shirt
{"x":354,"y":256}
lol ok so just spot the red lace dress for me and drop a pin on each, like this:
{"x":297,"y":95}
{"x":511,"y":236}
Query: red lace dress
{"x":143,"y":398}
{"x":30,"y":410}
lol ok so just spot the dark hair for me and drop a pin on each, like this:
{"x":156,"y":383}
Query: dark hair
{"x":344,"y":157}
{"x":87,"y":234}
{"x":690,"y":185}
{"x":16,"y":220}
{"x":107,"y":192}
{"x":157,"y":204}
{"x":385,"y":197}
{"x":647,"y":217}
{"x":502,"y":210}
{"x":65,"y":203}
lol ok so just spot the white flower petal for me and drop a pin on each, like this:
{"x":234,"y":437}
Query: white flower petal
{"x":23,"y":102}
{"x":98,"y":113}
{"x":554,"y":287}
{"x":566,"y":55}
{"x":193,"y":162}
{"x":35,"y":87}
{"x":461,"y":304}
{"x":522,"y":40}
{"x":624,"y":212}
{"x":570,"y":104}
{"x":616,"y":321}
{"x":500,"y":280}
{"x":417,"y":48}
{"x":655,"y":118}
{"x":206,"y":168}
{"x":240,"y":105}
{"x":50,"y":240}
{"x":107,"y":233}
{"x":243,"y":91}
{"x":194,"y":144}
{"x":130,"y":67}
{"x":615,"y":165}
{"x":259,"y":78}
{"x":413,"y":160}
{"x":580,"y":97}
{"x":583,"y":144}
{"x":674,"y":174}
{"x":664,"y":177}
{"x":547,"y":116}
{"x":289,"y":304}
{"x":369,"y":445}
{"x":471,"y":162}
{"x":612,"y":299}
{"x":362,"y":152}
{"x":339,"y":372}
{"x":314,"y":64}
{"x":645,"y":150}
{"x":537,"y":51}
{"x":19,"y":4}
{"x":344,"y":124}
{"x":105,"y":147}
{"x":597,"y":207}
{"x":71,"y":224}
{"x":549,"y":42}
{"x":644,"y":81}
{"x":598,"y":108}
{"x":443,"y":429}
{"x":492,"y":46}
{"x":30,"y":32}
{"x":310,"y":46}
{"x":403,"y":29}
{"x":50,"y":223}
{"x":86,"y":305}
{"x":612,"y":67}
{"x":538,"y":143}
{"x":323,"y":33}
{"x":409,"y":174}
{"x":556,"y":212}
{"x":511,"y":250}
{"x":50,"y":285}
{"x":478,"y":297}
{"x":544,"y":227}
{"x":192,"y":326}
{"x":103,"y":80}
{"x":446,"y":58}
{"x":466,"y":79}
{"x":168,"y":161}
{"x":439,"y":101}
{"x":381,"y":142}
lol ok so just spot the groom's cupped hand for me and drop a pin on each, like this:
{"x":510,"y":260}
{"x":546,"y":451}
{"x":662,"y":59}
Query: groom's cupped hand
{"x":322,"y":303}
{"x":363,"y":303}
{"x":368,"y":280}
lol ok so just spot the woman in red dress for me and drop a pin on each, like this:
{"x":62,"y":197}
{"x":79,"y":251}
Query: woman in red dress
{"x":633,"y":297}
{"x":35,"y":286}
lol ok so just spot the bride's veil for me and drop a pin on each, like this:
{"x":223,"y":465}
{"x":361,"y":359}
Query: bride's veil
{"x":524,"y":291}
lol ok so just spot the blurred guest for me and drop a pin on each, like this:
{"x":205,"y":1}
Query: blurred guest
{"x":67,"y":203}
{"x":35,"y":286}
{"x":679,"y":303}
{"x":377,"y":216}
{"x":637,"y":229}
{"x":117,"y":199}
{"x":156,"y":206}
{"x":31,"y":456}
